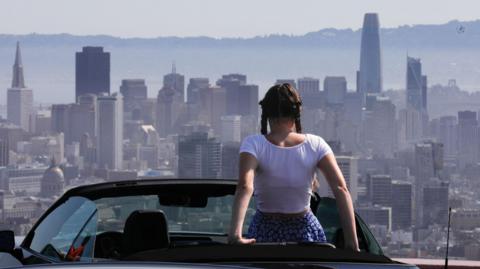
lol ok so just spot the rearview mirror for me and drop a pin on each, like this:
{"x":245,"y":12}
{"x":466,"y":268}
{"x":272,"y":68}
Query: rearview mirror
{"x":7,"y":241}
{"x":183,"y":200}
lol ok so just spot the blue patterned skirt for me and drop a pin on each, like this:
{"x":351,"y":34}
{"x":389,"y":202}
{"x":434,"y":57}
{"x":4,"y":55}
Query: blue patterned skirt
{"x":267,"y":228}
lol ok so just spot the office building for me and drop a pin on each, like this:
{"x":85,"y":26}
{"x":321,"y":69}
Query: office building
{"x":309,"y":89}
{"x":242,"y":99}
{"x":231,"y":128}
{"x":109,"y":132}
{"x":444,"y":129}
{"x":308,"y":86}
{"x":20,"y":98}
{"x":380,"y":189}
{"x":369,"y":77}
{"x":402,"y":206}
{"x":410,"y":124}
{"x":134,"y":92}
{"x":468,"y":138}
{"x":4,"y":153}
{"x":376,"y":215}
{"x":194,"y":87}
{"x":248,"y":101}
{"x":230,"y":159}
{"x":170,"y":109}
{"x":200,"y":156}
{"x":416,"y":95}
{"x":175,"y":81}
{"x":349,"y":167}
{"x":92,"y":71}
{"x":435,"y":203}
{"x":380,"y":135}
{"x":335,"y":90}
{"x":213,"y":106}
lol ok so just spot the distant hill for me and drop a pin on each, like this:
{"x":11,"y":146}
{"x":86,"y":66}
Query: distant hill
{"x":450,"y":50}
{"x":448,"y":35}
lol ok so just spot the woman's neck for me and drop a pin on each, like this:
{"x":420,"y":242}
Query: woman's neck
{"x":282,"y":127}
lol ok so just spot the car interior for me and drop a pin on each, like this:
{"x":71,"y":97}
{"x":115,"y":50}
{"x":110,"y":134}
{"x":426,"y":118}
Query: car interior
{"x":146,"y":230}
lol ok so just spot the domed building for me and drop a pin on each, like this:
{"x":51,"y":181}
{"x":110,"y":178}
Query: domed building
{"x":52,"y":182}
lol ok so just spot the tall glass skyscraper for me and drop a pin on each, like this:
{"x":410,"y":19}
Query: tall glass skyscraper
{"x":92,"y":71}
{"x":416,"y":85}
{"x":369,"y":78}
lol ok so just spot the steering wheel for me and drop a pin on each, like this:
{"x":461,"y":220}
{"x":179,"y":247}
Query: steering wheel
{"x":108,"y":245}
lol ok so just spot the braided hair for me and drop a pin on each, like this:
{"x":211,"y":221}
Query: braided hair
{"x":281,"y":101}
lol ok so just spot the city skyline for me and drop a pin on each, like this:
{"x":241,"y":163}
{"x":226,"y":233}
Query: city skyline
{"x":49,"y":74}
{"x":192,"y":126}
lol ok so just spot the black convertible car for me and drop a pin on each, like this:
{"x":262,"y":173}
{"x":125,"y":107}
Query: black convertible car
{"x":178,"y":222}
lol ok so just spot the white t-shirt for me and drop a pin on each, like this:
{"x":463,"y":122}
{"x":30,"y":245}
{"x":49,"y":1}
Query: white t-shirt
{"x":283,"y":179}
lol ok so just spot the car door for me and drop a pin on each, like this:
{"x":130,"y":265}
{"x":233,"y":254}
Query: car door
{"x":325,"y":209}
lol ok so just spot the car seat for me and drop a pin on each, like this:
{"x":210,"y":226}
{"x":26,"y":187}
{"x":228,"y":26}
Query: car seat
{"x":145,"y":230}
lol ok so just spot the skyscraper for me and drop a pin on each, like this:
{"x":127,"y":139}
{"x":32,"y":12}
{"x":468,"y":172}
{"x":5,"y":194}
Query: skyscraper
{"x":175,"y":81}
{"x":379,"y":126}
{"x":231,"y":83}
{"x":20,"y":98}
{"x":402,"y":205}
{"x":231,"y":128}
{"x":134,"y":92}
{"x":335,"y":89}
{"x":468,"y":138}
{"x":170,"y":107}
{"x":92,"y":71}
{"x":369,"y":78}
{"x":194,"y":87}
{"x":309,"y":89}
{"x":416,"y":85}
{"x":200,"y":156}
{"x":109,"y":132}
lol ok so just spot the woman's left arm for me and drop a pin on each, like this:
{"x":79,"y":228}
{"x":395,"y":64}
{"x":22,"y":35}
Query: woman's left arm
{"x":248,"y":165}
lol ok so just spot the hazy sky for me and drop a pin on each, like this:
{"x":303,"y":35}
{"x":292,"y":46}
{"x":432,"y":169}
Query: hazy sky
{"x":219,"y":18}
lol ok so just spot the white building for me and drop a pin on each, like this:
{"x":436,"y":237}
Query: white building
{"x":349,"y":167}
{"x":109,"y":131}
{"x":231,"y":128}
{"x":20,"y":98}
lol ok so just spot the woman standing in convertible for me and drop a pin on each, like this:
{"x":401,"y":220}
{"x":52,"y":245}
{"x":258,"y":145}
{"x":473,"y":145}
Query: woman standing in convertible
{"x":278,"y":167}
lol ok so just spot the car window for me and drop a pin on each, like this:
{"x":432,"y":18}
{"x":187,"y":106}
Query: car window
{"x":67,"y":231}
{"x":214,"y":218}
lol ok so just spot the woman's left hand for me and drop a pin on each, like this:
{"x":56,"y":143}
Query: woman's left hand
{"x":241,"y":241}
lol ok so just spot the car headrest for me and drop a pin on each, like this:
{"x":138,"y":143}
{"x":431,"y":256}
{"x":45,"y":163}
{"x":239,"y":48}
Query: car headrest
{"x":145,"y":230}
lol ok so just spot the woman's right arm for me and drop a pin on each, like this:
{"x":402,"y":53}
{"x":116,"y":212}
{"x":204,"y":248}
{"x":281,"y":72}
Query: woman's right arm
{"x":243,"y":193}
{"x":329,"y":167}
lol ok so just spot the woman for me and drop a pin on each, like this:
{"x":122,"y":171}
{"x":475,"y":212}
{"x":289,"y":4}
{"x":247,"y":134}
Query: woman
{"x":280,"y":167}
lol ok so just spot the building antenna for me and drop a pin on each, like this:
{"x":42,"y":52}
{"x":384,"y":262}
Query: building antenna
{"x":448,"y":237}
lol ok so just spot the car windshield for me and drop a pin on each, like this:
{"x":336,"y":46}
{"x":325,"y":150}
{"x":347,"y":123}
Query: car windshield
{"x":90,"y":224}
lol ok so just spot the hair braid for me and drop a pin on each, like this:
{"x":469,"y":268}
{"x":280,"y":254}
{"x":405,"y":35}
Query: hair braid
{"x":264,"y":121}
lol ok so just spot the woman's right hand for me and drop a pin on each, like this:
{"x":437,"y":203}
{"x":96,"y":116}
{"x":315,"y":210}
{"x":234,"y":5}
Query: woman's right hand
{"x":352,"y":246}
{"x":238,"y":240}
